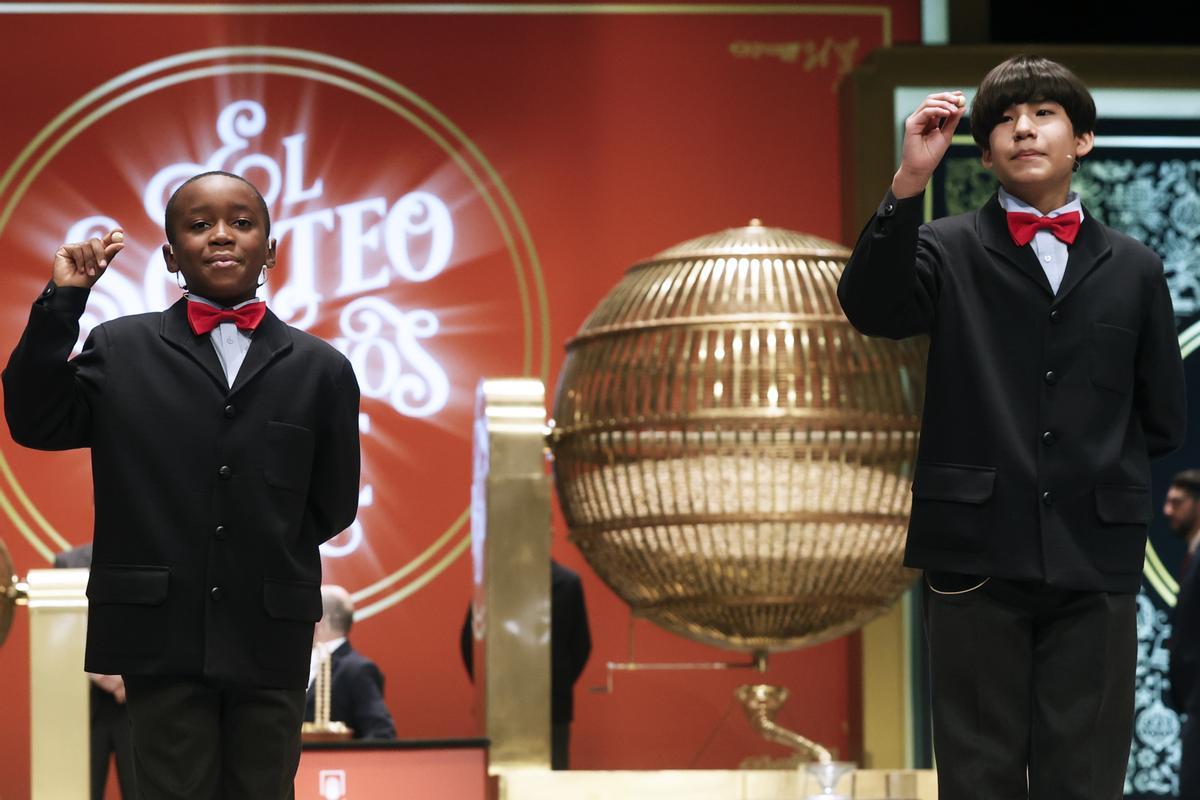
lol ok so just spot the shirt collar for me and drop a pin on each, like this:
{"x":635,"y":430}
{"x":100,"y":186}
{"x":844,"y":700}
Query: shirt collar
{"x":333,"y":644}
{"x":1011,"y":203}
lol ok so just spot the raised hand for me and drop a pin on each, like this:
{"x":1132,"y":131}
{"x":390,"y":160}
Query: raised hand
{"x":81,"y":264}
{"x":927,"y":134}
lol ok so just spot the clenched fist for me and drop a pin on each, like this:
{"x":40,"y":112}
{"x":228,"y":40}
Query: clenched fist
{"x":81,"y":264}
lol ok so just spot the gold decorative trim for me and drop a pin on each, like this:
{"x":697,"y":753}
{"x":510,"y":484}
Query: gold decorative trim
{"x":413,"y":587}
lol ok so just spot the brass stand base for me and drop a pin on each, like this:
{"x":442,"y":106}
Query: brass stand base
{"x":329,"y":732}
{"x":761,"y":702}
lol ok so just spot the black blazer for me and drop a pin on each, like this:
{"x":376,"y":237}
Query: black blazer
{"x":1041,"y":410}
{"x":570,"y":641}
{"x":210,"y":500}
{"x":356,"y":695}
{"x":1184,"y":669}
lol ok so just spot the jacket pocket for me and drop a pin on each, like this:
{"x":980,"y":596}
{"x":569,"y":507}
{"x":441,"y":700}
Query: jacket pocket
{"x":1112,"y":354}
{"x":285,"y":634}
{"x":128,"y":613}
{"x":1123,"y":505}
{"x":299,"y":601}
{"x":955,"y":483}
{"x":119,"y":584}
{"x":289,"y":454}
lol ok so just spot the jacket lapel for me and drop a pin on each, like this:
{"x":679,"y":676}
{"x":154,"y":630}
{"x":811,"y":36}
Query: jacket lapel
{"x":1091,"y":248}
{"x":176,"y":331}
{"x":992,"y":227}
{"x":271,"y":340}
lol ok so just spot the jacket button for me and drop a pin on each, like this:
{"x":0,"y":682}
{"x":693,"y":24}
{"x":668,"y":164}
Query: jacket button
{"x":220,"y":532}
{"x":1048,"y":437}
{"x":225,"y":472}
{"x":1051,"y":377}
{"x":229,"y":412}
{"x":1056,"y":316}
{"x":889,"y":208}
{"x":215,"y":593}
{"x":1047,"y":498}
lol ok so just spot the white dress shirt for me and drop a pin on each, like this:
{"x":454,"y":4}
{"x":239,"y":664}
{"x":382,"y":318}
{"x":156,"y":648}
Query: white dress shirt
{"x":314,"y":660}
{"x":1051,"y":252}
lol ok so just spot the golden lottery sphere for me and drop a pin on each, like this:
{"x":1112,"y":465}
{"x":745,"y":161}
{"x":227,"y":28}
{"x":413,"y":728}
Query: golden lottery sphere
{"x":732,"y":458}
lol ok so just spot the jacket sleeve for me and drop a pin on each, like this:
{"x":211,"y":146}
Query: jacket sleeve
{"x":333,"y":496}
{"x":1159,"y":395}
{"x":48,"y":399}
{"x":889,"y":286}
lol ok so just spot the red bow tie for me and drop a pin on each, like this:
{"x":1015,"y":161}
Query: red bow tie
{"x":1023,"y":226}
{"x":203,"y":317}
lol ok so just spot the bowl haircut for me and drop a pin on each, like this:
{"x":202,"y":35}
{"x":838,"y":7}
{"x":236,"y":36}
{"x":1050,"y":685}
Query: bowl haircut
{"x":1030,"y":79}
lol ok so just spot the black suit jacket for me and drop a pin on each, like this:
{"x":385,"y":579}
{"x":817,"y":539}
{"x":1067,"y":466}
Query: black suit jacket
{"x":1042,"y":410}
{"x":570,"y":641}
{"x":1184,"y":669}
{"x":210,"y":500}
{"x":356,"y":695}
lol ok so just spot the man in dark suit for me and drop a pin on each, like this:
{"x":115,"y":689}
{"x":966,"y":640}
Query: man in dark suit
{"x":109,"y":728}
{"x":570,"y":646}
{"x":356,"y":691}
{"x":1182,"y":510}
{"x":1054,"y":375}
{"x":224,"y":451}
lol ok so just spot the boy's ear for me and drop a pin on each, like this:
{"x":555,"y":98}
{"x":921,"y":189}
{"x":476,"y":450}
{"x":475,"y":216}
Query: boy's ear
{"x":169,"y":257}
{"x":985,"y":157}
{"x":1084,"y":143}
{"x":270,"y":254}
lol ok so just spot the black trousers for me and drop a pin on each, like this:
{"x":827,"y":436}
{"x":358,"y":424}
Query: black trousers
{"x":198,"y":740}
{"x":560,"y":745}
{"x":1032,"y":690}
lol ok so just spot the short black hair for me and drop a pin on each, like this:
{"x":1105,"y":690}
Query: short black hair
{"x":1030,"y":79}
{"x":171,"y":211}
{"x":1189,"y":481}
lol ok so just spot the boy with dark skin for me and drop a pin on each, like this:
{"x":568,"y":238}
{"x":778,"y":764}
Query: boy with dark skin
{"x":1054,"y":375}
{"x":224,"y":451}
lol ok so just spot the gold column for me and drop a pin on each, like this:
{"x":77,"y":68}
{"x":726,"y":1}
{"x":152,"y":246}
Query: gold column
{"x":887,"y":695}
{"x":510,"y":548}
{"x":58,"y":688}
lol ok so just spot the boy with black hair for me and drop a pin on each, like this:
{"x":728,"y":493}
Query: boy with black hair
{"x":224,"y":451}
{"x":1054,"y":375}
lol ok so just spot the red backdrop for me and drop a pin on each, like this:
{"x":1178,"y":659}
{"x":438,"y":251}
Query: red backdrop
{"x":454,"y":190}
